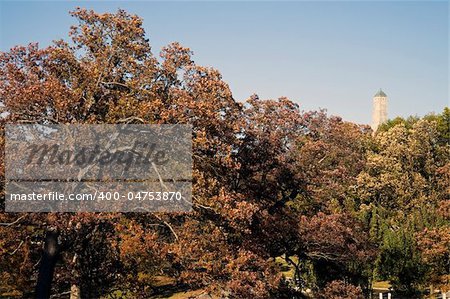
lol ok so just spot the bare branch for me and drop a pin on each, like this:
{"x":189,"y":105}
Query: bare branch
{"x":168,"y":225}
{"x":60,"y":294}
{"x":130,"y":119}
{"x":15,"y":250}
{"x":116,"y":83}
{"x":12,"y":223}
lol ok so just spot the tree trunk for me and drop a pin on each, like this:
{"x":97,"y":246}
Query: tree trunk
{"x":47,"y":265}
{"x":75,"y":292}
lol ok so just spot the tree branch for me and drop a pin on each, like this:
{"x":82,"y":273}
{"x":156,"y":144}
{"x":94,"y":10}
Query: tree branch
{"x":12,"y":223}
{"x":15,"y":250}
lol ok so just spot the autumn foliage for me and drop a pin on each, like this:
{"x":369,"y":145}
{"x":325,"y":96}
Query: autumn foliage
{"x":338,"y":206}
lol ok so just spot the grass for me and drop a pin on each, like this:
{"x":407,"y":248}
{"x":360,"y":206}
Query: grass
{"x":381,"y":285}
{"x":287,"y":269}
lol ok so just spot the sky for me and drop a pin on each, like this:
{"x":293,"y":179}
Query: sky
{"x":327,"y":54}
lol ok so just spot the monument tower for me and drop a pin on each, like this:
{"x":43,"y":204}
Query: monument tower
{"x":379,"y":109}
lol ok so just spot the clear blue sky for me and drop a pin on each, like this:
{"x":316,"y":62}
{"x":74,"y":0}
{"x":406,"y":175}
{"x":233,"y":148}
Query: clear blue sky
{"x":332,"y":55}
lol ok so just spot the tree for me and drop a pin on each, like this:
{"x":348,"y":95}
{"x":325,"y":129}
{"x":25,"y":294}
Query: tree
{"x":404,"y":184}
{"x":269,"y":181}
{"x":107,"y":74}
{"x":338,"y":289}
{"x":434,"y":247}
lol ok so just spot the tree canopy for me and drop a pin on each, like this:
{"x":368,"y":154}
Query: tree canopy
{"x":337,"y":205}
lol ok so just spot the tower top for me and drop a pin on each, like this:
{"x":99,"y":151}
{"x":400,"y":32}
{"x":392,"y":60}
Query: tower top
{"x":380,"y":93}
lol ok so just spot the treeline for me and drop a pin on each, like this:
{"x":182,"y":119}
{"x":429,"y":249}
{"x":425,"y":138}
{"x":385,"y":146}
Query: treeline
{"x":340,"y":206}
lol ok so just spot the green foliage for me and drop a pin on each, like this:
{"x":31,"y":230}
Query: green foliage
{"x":443,"y":125}
{"x":442,"y":120}
{"x":399,"y":261}
{"x":390,"y":123}
{"x":339,"y":205}
{"x":403,"y":188}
